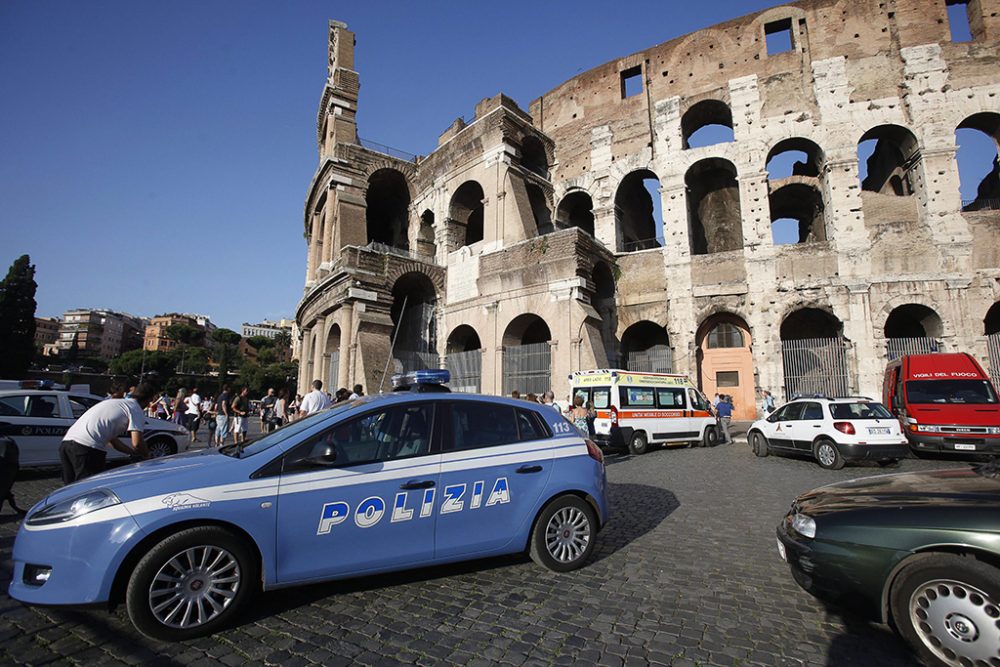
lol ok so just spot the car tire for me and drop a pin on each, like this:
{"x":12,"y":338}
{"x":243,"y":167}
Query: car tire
{"x":165,"y":610}
{"x":758,"y":443}
{"x":827,"y":455}
{"x":639,"y":444}
{"x":711,"y":437}
{"x":159,"y":447}
{"x":945,"y":606}
{"x":563,"y":536}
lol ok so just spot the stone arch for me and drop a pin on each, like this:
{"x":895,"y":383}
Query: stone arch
{"x":974,"y":136}
{"x":803,"y":322}
{"x":407,"y":169}
{"x":527,"y":355}
{"x":414,"y":314}
{"x":705,"y":115}
{"x":645,"y":347}
{"x":397,"y":270}
{"x":576,"y":209}
{"x":540,"y":202}
{"x":463,"y":338}
{"x":890,"y":168}
{"x":793,"y":147}
{"x":814,"y":353}
{"x":879,"y":323}
{"x":635,"y":212}
{"x":465,"y":215}
{"x":426,"y":245}
{"x":991,"y":322}
{"x":387,"y":208}
{"x":913,"y":320}
{"x":714,"y":214}
{"x":802,"y":205}
{"x":464,"y":359}
{"x":331,"y":357}
{"x":534,"y":156}
{"x":725,"y":363}
{"x":526,"y":329}
{"x":604,"y":302}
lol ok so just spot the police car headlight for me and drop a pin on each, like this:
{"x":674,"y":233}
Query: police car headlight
{"x":804,"y":525}
{"x":70,"y":509}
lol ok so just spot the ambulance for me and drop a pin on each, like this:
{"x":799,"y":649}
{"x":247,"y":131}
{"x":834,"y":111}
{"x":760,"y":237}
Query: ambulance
{"x":635,"y":410}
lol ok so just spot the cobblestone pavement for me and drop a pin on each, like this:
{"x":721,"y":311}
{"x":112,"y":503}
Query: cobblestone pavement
{"x":686,"y":573}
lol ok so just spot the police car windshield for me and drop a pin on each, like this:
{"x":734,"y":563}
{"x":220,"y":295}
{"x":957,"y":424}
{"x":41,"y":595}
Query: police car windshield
{"x":286,"y":431}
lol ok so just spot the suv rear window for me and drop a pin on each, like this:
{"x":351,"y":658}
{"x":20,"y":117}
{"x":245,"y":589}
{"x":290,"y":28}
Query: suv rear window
{"x":859,"y":410}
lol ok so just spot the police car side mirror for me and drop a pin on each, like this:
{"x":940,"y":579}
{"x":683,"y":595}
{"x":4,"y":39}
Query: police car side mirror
{"x":772,"y":418}
{"x":322,"y":461}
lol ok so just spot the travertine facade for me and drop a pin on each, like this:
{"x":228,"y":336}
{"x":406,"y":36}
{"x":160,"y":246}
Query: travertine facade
{"x":526,"y":228}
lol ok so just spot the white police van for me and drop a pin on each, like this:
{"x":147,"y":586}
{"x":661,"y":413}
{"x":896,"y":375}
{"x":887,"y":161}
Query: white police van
{"x":387,"y":482}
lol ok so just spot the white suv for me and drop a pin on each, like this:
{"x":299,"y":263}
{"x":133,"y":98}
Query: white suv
{"x":37,"y":420}
{"x":832,"y":431}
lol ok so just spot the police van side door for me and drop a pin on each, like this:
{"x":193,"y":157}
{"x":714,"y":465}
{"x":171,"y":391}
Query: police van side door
{"x":496,"y":462}
{"x":370,"y":507}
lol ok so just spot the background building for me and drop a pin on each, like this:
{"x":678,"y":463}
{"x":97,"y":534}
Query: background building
{"x":156,"y":338}
{"x":99,"y":333}
{"x":268,"y":328}
{"x":771,"y":203}
{"x":46,"y":332}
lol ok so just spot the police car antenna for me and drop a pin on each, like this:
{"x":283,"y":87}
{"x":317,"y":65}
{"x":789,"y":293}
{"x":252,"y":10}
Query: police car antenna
{"x":392,"y":346}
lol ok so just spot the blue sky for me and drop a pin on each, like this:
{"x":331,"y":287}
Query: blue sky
{"x":156,"y":155}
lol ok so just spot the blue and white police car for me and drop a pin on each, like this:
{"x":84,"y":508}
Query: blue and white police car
{"x":395,"y":481}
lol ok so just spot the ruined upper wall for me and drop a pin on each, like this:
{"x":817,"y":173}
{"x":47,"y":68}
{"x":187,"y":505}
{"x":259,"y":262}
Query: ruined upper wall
{"x":868,"y":33}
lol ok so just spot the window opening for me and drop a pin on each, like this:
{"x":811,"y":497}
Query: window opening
{"x":631,"y":81}
{"x":778,"y":35}
{"x":958,"y":20}
{"x":725,"y":335}
{"x":727,"y":378}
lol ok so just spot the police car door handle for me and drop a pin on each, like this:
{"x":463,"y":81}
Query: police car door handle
{"x":413,"y":484}
{"x":527,"y":469}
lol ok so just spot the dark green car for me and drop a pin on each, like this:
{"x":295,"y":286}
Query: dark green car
{"x":918,"y":551}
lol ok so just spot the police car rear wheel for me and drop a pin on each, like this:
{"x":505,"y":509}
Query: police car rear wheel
{"x":190,"y":584}
{"x":639,"y":444}
{"x":564,"y":534}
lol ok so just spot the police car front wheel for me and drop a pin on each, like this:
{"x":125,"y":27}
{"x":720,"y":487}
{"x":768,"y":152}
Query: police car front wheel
{"x":191,"y":583}
{"x":563,"y":537}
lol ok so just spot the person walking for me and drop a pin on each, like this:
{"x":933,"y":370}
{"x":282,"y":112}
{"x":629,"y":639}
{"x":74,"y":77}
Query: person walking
{"x":549,"y":399}
{"x":579,"y":415}
{"x":193,"y":414}
{"x":84,"y":447}
{"x":241,"y":413}
{"x":768,"y":402}
{"x":208,"y":415}
{"x":725,"y":411}
{"x":357,"y":393}
{"x":179,"y":412}
{"x":223,"y":413}
{"x":281,"y":409}
{"x":316,"y":400}
{"x":267,"y":411}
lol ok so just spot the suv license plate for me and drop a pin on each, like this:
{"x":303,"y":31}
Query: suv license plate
{"x":965,"y":447}
{"x":781,"y":550}
{"x":883,"y":430}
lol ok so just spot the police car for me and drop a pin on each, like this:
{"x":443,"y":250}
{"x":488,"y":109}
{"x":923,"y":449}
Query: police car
{"x":387,"y":482}
{"x":37,"y":420}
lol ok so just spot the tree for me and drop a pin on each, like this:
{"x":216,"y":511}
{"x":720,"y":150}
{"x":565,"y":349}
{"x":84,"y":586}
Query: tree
{"x":185,"y":334}
{"x":134,"y":362}
{"x":283,"y":339}
{"x":226,"y":341}
{"x":17,"y":319}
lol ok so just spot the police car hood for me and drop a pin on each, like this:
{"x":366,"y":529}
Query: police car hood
{"x":156,"y":476}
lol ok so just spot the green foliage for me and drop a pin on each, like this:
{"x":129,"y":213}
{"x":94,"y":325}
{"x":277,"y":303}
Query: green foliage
{"x":259,"y":378}
{"x":267,"y":356}
{"x":17,"y":319}
{"x":260,"y":342}
{"x":186,"y":334}
{"x":283,"y":339}
{"x":135,"y":362}
{"x":226,"y":337}
{"x":226,"y":341}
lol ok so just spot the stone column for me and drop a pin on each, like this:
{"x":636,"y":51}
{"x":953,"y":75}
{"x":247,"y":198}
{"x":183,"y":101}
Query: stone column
{"x":345,"y":318}
{"x":328,"y":224}
{"x":491,"y":380}
{"x":319,"y":339}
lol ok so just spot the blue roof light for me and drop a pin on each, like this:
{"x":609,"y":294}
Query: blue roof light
{"x":425,"y":377}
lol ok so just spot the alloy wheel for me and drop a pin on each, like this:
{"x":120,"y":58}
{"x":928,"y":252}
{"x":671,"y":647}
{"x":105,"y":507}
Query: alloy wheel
{"x":567,"y":535}
{"x":194,"y":586}
{"x":957,"y":622}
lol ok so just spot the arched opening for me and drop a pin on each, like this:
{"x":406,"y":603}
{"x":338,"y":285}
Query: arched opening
{"x":814,"y":354}
{"x":466,"y":215}
{"x":991,"y":326}
{"x":527,"y":355}
{"x":465,"y":359}
{"x":646,"y":348}
{"x":714,"y":207}
{"x":414,"y":323}
{"x":888,"y":156}
{"x":638,"y":215}
{"x":533,"y":156}
{"x":605,"y":305}
{"x":725,"y":362}
{"x":387,"y":203}
{"x":797,"y":214}
{"x":977,"y":138}
{"x":912,"y":328}
{"x":317,"y":237}
{"x":576,"y":210}
{"x":426,"y":247}
{"x":707,"y":123}
{"x":539,"y":208}
{"x":991,"y":322}
{"x":332,"y":357}
{"x":794,"y":157}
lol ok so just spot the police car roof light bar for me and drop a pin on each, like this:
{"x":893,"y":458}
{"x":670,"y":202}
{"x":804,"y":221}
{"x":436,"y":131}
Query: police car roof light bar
{"x":429,"y":379}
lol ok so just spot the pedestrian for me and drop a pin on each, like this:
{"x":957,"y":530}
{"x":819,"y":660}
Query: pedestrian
{"x":768,"y":402}
{"x":267,"y":411}
{"x":208,"y":416}
{"x":179,"y":413}
{"x":84,"y":447}
{"x":240,"y":406}
{"x":316,"y":400}
{"x":281,"y":408}
{"x":342,"y":395}
{"x":116,"y":391}
{"x":9,"y":467}
{"x":515,"y":394}
{"x":531,"y":398}
{"x":193,"y":414}
{"x":357,"y":393}
{"x":715,"y":401}
{"x":223,"y":413}
{"x":725,"y":412}
{"x":293,"y":407}
{"x":578,"y":415}
{"x":160,"y":407}
{"x":549,"y":399}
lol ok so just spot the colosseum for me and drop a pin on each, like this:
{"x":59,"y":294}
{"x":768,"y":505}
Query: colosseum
{"x":769,"y":203}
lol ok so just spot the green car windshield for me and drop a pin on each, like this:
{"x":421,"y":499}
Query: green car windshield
{"x":973,"y":392}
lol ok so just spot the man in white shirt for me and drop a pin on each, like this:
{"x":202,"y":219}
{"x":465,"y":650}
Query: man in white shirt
{"x":84,"y":447}
{"x":315,"y":400}
{"x":192,"y":416}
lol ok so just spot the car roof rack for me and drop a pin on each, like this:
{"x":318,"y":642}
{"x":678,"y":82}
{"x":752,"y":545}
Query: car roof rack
{"x":423,"y":381}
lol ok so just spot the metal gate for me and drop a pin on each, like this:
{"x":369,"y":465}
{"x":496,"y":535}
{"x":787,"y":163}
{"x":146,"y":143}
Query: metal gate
{"x":527,"y":368}
{"x":466,"y":370}
{"x":897,"y":347}
{"x":332,"y":371}
{"x":993,"y":345}
{"x":816,"y":366}
{"x":657,"y":359}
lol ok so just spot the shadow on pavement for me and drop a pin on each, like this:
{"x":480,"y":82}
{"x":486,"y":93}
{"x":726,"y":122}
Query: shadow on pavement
{"x":865,"y":642}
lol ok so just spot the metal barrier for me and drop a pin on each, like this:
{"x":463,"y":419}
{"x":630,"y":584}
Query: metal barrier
{"x":644,"y":244}
{"x":657,"y":359}
{"x":897,"y":347}
{"x":387,"y":150}
{"x":466,"y":370}
{"x":816,"y":366}
{"x":333,"y":371}
{"x":993,"y":345}
{"x":527,"y":368}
